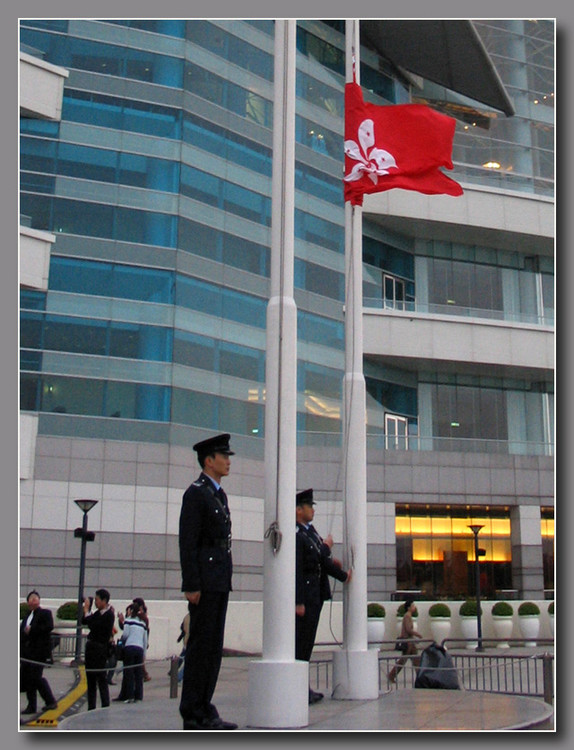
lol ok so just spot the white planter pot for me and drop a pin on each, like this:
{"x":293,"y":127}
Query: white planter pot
{"x":440,"y":628}
{"x":375,"y":630}
{"x":503,"y":625}
{"x":529,"y":627}
{"x":469,"y":627}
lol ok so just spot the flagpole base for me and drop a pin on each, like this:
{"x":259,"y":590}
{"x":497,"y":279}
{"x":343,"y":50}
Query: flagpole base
{"x":356,"y":675}
{"x":278,"y":694}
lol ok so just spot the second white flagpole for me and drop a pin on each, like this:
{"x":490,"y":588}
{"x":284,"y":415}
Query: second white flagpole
{"x":355,"y":667}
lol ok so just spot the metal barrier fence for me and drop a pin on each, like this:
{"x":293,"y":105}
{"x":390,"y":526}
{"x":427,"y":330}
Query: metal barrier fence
{"x":513,"y":674}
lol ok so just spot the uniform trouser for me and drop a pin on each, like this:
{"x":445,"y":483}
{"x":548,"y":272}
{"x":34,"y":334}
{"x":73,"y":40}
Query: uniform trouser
{"x":306,"y":630}
{"x":203,"y":655}
{"x":96,"y":673}
{"x":32,"y":678}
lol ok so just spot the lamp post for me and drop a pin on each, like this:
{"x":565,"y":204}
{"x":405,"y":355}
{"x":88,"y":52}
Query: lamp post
{"x":86,"y":536}
{"x":475,"y":528}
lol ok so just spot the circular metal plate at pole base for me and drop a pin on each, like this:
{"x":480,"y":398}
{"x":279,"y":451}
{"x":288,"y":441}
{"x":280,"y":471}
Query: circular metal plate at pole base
{"x":356,"y":675}
{"x":278,"y":694}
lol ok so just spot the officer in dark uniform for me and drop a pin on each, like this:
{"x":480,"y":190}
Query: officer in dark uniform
{"x":206,"y":567}
{"x":314,"y":565}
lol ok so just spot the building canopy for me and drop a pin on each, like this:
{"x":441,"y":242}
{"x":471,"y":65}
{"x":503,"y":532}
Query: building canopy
{"x":447,"y":52}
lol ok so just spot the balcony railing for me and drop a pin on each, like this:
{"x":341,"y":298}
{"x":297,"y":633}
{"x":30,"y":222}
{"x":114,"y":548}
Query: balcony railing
{"x":379,"y":442}
{"x":460,"y":311}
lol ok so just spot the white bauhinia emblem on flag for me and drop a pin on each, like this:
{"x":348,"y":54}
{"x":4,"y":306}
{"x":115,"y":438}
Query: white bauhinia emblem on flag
{"x":372,"y":161}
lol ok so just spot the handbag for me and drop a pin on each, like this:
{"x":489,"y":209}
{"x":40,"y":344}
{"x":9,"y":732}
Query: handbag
{"x":120,"y":646}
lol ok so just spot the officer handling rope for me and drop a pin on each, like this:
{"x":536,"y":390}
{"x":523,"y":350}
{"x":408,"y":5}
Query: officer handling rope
{"x":314,"y":565}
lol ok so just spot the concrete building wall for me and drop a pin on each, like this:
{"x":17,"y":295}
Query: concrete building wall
{"x":139,"y":489}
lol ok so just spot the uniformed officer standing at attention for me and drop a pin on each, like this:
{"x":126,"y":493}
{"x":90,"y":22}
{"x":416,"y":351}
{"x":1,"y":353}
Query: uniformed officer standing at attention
{"x":314,"y":564}
{"x":206,"y":567}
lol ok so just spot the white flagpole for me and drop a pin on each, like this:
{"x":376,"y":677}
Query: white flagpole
{"x":355,"y":667}
{"x":278,"y":684}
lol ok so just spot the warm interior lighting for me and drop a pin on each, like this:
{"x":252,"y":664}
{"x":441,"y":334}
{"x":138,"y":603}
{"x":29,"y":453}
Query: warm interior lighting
{"x":491,"y":165}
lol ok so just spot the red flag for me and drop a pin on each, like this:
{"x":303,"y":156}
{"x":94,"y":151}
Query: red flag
{"x":397,"y":146}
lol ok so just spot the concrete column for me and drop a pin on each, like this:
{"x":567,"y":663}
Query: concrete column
{"x":526,"y":541}
{"x":278,"y":684}
{"x":355,"y":667}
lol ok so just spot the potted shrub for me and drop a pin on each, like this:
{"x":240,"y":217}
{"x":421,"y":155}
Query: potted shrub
{"x":502,"y":613}
{"x":440,"y":623}
{"x":24,"y":610}
{"x":468,"y":622}
{"x":68,"y":611}
{"x":529,"y":621}
{"x":375,"y":623}
{"x":551,"y":617}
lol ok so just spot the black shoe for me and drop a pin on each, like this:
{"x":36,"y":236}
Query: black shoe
{"x":218,"y":723}
{"x":50,"y":707}
{"x":190,"y":724}
{"x":314,"y":697}
{"x":29,"y":710}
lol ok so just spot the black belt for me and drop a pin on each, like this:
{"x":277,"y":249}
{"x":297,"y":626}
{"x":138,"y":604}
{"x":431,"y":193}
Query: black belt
{"x":220,"y":543}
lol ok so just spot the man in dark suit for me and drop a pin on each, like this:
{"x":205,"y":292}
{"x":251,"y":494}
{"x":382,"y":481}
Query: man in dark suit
{"x":206,"y":568}
{"x":314,"y":565}
{"x":101,"y":625}
{"x":35,"y":650}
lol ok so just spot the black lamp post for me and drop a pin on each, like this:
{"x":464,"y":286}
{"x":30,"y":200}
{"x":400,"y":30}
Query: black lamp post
{"x":86,"y":536}
{"x":475,"y":528}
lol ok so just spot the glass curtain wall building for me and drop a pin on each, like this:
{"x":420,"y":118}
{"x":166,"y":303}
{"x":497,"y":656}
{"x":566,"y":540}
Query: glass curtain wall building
{"x":157,"y":185}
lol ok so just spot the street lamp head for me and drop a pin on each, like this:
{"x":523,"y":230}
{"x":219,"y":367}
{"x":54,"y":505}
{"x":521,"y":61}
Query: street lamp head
{"x":86,"y":505}
{"x":476,"y":527}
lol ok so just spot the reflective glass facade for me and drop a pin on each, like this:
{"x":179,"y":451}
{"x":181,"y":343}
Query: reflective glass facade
{"x":157,"y":184}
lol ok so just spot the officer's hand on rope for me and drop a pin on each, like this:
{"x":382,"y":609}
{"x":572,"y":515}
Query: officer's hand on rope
{"x":300,"y":610}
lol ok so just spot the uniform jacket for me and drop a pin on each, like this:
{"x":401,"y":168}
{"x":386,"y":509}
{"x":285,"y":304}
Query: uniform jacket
{"x":314,"y":565}
{"x":205,"y":538}
{"x":36,"y":645}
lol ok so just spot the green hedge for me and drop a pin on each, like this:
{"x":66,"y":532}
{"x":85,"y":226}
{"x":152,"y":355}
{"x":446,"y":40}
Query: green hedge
{"x":68,"y":611}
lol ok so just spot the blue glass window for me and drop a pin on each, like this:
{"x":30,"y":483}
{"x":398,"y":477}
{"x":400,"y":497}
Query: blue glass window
{"x":30,"y":299}
{"x":80,"y":276}
{"x":106,"y":59}
{"x":226,"y":144}
{"x":319,"y":184}
{"x":230,"y":47}
{"x":37,"y":154}
{"x":226,"y":94}
{"x":166,"y":26}
{"x":121,"y":114}
{"x":134,"y":341}
{"x":241,"y":361}
{"x":65,"y":334}
{"x":319,"y":330}
{"x":220,"y":302}
{"x":319,"y":231}
{"x":194,"y":351}
{"x":319,"y":280}
{"x":191,"y":407}
{"x":107,"y":280}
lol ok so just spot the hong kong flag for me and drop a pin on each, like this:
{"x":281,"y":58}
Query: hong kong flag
{"x":397,"y":146}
